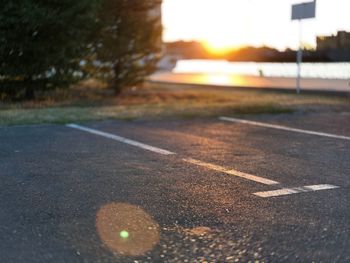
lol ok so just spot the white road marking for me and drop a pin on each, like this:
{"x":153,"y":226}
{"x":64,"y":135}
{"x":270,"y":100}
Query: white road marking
{"x":165,"y":152}
{"x":218,"y":168}
{"x":258,"y":179}
{"x":121,"y":139}
{"x":295,"y":190}
{"x":280,"y":127}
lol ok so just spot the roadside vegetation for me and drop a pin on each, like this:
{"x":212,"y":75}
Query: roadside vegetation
{"x":50,"y":45}
{"x":93,"y":100}
{"x":74,"y":61}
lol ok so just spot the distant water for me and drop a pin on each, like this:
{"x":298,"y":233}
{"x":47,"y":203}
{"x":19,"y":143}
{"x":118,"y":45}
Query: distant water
{"x":308,"y":70}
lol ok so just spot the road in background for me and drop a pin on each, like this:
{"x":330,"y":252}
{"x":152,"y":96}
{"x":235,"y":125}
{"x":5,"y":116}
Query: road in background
{"x":227,"y":80}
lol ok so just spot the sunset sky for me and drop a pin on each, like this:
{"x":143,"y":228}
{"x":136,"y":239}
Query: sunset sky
{"x":224,"y":23}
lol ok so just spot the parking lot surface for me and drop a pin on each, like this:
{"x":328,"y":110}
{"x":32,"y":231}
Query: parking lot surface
{"x":268,"y":188}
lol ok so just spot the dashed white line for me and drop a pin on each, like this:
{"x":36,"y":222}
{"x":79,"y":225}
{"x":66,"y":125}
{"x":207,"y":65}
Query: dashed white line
{"x":210,"y":166}
{"x":221,"y":169}
{"x":121,"y":139}
{"x":295,"y":190}
{"x":258,"y":179}
{"x":280,"y":127}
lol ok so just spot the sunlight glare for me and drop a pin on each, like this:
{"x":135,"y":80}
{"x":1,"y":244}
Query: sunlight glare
{"x":219,"y":25}
{"x":218,"y":46}
{"x":249,"y":22}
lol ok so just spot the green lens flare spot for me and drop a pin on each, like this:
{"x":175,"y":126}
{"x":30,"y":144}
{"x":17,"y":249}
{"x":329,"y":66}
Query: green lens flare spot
{"x":124,"y":234}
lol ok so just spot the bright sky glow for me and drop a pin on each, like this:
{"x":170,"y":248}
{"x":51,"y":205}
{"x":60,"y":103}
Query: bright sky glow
{"x":225,"y":23}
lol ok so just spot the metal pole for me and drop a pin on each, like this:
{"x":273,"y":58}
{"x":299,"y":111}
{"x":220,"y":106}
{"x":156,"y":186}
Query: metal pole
{"x":299,"y":58}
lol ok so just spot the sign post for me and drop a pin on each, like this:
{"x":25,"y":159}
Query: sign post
{"x":300,"y":12}
{"x":299,"y":56}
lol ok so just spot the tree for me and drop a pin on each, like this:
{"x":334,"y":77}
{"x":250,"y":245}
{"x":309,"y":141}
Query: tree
{"x":128,"y":43}
{"x":41,"y":43}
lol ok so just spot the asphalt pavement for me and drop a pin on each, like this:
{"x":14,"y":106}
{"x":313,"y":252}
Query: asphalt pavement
{"x":268,"y":188}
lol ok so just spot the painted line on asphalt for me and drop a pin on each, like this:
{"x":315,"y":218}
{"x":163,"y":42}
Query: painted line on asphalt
{"x":233,"y":172}
{"x":295,"y":190}
{"x":285,"y":128}
{"x":121,"y":139}
{"x":258,"y":179}
{"x":165,"y":152}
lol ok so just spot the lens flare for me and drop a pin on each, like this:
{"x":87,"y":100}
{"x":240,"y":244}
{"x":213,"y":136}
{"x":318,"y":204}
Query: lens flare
{"x":127,"y":229}
{"x":124,"y":234}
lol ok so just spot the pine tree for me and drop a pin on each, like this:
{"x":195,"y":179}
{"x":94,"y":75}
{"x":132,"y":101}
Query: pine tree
{"x":41,"y":43}
{"x":128,"y":43}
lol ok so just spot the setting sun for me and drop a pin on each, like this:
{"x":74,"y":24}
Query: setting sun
{"x":218,"y":46}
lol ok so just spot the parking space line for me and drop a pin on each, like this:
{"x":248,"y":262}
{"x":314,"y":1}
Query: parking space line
{"x":280,"y":127}
{"x":218,"y":168}
{"x":214,"y":167}
{"x":296,"y":190}
{"x":121,"y":139}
